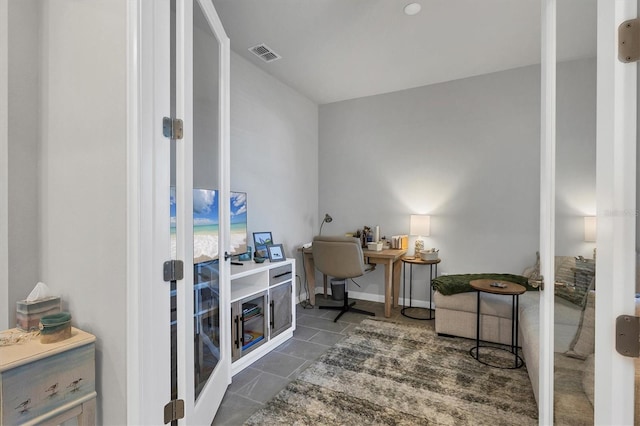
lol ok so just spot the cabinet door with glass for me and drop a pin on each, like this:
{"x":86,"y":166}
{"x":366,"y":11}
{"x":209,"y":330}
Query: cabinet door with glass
{"x":249,"y":324}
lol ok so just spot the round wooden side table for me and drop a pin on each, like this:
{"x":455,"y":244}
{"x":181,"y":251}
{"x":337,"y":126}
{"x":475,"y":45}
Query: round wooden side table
{"x":505,"y":288}
{"x":407,"y":310}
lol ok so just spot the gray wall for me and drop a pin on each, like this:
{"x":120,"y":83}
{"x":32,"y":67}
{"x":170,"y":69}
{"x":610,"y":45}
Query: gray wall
{"x":575,"y":155}
{"x":274,"y":156}
{"x":466,"y":152}
{"x":67,"y":174}
{"x":205,"y":105}
{"x":23,"y":148}
{"x":4,"y":167}
{"x":83,"y":180}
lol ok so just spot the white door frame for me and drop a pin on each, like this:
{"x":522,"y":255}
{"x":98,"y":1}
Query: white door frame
{"x":547,"y":209}
{"x":148,"y":83}
{"x":616,"y":214}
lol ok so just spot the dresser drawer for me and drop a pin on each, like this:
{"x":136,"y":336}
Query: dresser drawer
{"x":36,"y":379}
{"x":280,"y":274}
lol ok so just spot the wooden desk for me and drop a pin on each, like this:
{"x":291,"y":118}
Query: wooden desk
{"x":390,"y":258}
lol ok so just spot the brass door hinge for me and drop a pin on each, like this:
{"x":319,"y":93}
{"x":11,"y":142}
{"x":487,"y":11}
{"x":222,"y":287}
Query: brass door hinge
{"x":629,"y":41}
{"x":172,"y":128}
{"x":174,"y":410}
{"x":628,"y":336}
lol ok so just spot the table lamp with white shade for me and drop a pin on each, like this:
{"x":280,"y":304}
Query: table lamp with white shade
{"x":420,"y":227}
{"x":590,"y":229}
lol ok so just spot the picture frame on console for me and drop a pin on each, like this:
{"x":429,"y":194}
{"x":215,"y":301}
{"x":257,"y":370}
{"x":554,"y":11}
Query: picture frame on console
{"x":276,"y":253}
{"x":261,"y":240}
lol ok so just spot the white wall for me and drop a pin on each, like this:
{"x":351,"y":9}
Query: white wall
{"x":274,"y":156}
{"x":24,"y":117}
{"x":83,"y":180}
{"x":466,"y":152}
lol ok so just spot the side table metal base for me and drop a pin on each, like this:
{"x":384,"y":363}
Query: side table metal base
{"x":504,"y":288}
{"x":517,"y":361}
{"x":411,"y":311}
{"x":406,"y":311}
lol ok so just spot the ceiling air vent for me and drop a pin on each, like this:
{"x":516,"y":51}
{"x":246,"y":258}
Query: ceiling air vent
{"x":264,"y":52}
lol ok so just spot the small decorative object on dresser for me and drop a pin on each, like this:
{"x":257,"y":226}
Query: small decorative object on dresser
{"x":55,"y":327}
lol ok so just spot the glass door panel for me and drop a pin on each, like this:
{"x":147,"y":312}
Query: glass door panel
{"x":253,"y":325}
{"x":575,"y":209}
{"x":206,"y":200}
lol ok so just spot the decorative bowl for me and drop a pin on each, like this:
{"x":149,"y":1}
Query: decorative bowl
{"x":259,"y":259}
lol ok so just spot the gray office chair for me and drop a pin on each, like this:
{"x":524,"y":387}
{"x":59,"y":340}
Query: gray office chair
{"x":341,"y":258}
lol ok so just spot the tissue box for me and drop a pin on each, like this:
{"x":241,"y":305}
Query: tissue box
{"x":28,"y":314}
{"x":374,"y":246}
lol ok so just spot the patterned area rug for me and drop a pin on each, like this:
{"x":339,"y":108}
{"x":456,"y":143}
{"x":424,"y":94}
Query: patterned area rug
{"x":399,"y":374}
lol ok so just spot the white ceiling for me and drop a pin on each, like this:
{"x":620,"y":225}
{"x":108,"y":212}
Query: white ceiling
{"x":334,"y":50}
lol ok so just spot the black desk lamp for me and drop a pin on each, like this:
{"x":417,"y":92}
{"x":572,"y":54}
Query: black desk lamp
{"x":327,"y":219}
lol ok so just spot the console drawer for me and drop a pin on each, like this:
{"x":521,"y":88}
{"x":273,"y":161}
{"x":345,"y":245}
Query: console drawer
{"x":280,"y":274}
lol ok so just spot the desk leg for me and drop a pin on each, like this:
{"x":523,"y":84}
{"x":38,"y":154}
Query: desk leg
{"x":396,"y":281}
{"x":477,"y":327}
{"x":324,"y":282}
{"x":388,"y":286}
{"x":310,"y":270}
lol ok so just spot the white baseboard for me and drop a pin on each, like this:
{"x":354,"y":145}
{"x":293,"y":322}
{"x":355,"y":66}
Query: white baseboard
{"x":373,"y":298}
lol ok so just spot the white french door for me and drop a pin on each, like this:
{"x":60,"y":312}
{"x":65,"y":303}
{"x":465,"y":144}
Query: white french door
{"x":615,"y":205}
{"x":202,"y":355}
{"x":616,"y":214}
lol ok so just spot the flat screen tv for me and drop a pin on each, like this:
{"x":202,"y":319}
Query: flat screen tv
{"x":206,"y":223}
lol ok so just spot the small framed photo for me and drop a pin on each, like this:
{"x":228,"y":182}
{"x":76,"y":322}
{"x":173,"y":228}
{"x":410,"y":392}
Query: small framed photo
{"x":261,"y":240}
{"x":276,"y":253}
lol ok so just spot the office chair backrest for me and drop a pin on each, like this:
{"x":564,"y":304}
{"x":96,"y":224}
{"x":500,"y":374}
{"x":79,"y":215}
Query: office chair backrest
{"x":339,"y":257}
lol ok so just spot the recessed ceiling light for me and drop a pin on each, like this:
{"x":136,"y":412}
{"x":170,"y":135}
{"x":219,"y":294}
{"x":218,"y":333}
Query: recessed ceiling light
{"x":412,"y":9}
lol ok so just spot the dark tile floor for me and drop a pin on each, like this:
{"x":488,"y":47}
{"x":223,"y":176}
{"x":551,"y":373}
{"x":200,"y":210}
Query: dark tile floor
{"x":315,"y":333}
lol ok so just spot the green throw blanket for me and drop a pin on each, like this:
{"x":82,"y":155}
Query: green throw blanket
{"x":453,"y":284}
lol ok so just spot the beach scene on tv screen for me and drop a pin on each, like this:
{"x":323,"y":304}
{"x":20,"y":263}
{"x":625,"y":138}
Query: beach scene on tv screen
{"x":238,"y":222}
{"x":206,"y":223}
